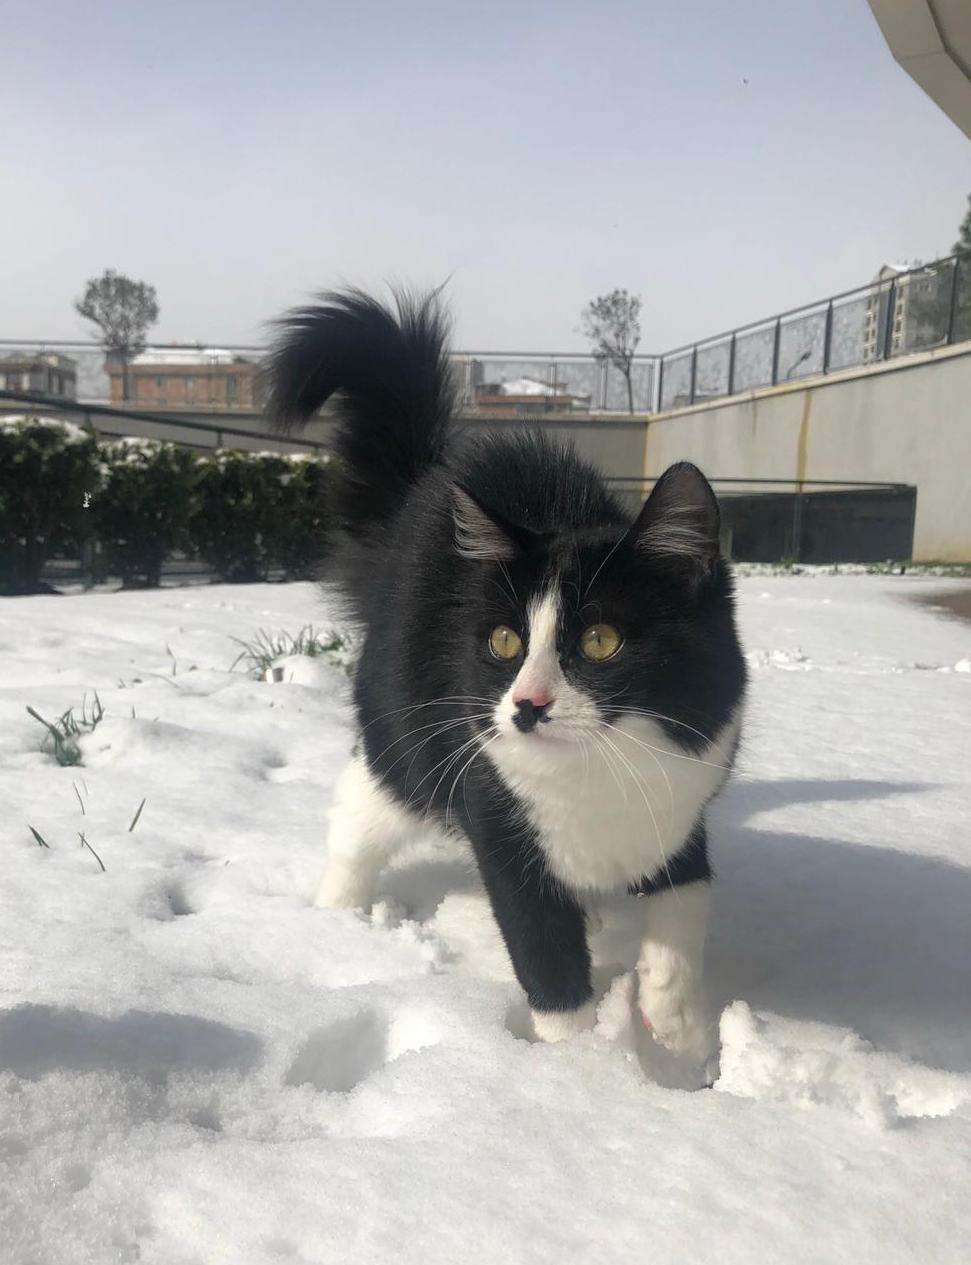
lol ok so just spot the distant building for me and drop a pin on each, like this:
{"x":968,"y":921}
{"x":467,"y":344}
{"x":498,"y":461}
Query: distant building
{"x":524,"y":396}
{"x":40,"y":373}
{"x":922,"y":309}
{"x":202,"y":379}
{"x":875,"y":316}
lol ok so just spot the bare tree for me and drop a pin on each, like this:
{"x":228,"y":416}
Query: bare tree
{"x":612,"y":323}
{"x":123,"y":310}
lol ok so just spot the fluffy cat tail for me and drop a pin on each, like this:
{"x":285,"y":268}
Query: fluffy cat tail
{"x":390,"y":369}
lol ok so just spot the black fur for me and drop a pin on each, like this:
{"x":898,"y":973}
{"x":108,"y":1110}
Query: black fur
{"x":396,"y":394}
{"x":427,"y":611}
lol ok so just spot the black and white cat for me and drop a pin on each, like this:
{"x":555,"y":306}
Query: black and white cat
{"x":540,"y":674}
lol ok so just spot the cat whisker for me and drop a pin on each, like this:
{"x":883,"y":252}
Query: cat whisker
{"x":679,"y":755}
{"x":512,"y":588}
{"x":585,"y":748}
{"x":639,"y":783}
{"x":598,"y":739}
{"x":463,"y":772}
{"x":644,"y":711}
{"x":420,"y":746}
{"x":448,"y":763}
{"x":447,"y":700}
{"x":657,"y":761}
{"x":737,"y":773}
{"x":415,"y":756}
{"x":440,"y":726}
{"x":610,"y":554}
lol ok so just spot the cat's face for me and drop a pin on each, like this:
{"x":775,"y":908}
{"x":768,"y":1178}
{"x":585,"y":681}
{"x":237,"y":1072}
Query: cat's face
{"x":564,"y":635}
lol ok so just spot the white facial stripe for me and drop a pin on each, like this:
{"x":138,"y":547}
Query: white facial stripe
{"x":542,"y":676}
{"x":541,"y":673}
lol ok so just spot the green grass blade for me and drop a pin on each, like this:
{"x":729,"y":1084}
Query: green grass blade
{"x":46,"y":723}
{"x":85,"y":844}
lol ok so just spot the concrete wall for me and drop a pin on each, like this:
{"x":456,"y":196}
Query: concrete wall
{"x":614,"y":445}
{"x":907,"y":421}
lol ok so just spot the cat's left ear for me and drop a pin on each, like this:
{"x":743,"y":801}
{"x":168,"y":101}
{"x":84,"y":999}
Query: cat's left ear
{"x":680,"y":522}
{"x":479,"y":533}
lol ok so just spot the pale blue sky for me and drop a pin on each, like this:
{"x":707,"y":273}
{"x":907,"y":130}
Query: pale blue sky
{"x":240,"y":156}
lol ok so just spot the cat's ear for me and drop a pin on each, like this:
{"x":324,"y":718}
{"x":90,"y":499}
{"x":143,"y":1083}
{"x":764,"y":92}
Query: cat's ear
{"x":679,"y":522}
{"x":480,"y":534}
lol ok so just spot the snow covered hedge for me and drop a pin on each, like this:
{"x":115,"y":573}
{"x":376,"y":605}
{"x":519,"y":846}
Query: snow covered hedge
{"x":134,"y":502}
{"x":48,"y":472}
{"x":143,"y":509}
{"x":261,"y":512}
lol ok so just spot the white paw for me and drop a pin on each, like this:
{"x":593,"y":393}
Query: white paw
{"x":678,"y":1020}
{"x":560,"y":1025}
{"x":344,"y":887}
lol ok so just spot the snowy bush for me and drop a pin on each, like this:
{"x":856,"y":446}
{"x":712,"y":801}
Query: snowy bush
{"x":298,"y":531}
{"x":143,"y":510}
{"x":48,"y":473}
{"x":257,"y":513}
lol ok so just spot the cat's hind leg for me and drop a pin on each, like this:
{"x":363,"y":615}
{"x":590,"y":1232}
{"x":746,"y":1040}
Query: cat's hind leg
{"x":367,"y":826}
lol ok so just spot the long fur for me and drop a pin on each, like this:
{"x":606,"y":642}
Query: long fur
{"x":512,"y":532}
{"x":396,"y":394}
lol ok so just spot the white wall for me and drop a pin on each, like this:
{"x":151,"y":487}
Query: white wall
{"x":908,"y":421}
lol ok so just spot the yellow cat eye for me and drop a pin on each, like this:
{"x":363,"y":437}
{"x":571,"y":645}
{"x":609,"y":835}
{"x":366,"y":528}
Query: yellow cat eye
{"x":504,"y":642}
{"x":600,"y":642}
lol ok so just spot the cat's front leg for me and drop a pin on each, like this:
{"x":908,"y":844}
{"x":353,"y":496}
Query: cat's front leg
{"x":670,"y":967}
{"x":544,"y":930}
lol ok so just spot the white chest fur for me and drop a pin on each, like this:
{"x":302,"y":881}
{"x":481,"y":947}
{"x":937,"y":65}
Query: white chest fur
{"x":611,"y":808}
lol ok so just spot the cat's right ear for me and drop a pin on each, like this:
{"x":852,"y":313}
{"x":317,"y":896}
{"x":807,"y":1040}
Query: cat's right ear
{"x":479,"y":534}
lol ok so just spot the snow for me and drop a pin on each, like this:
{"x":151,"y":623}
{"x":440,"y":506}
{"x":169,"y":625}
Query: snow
{"x":68,"y":431}
{"x":198,"y":1066}
{"x":528,"y":386}
{"x":190,"y":354}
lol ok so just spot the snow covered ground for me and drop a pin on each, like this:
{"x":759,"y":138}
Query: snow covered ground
{"x":197,"y":1066}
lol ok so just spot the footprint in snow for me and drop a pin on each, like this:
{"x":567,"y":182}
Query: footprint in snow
{"x":339,"y":1056}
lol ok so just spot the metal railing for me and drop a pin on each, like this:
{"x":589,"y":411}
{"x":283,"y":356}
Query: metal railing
{"x":525,"y":384}
{"x":899,"y":312}
{"x":521,"y":383}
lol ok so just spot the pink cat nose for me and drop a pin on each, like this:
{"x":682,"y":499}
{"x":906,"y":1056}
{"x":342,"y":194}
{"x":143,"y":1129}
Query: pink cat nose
{"x":538,"y":698}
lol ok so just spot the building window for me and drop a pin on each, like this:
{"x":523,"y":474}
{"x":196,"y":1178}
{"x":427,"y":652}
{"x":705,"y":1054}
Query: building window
{"x":159,"y":382}
{"x":190,"y":385}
